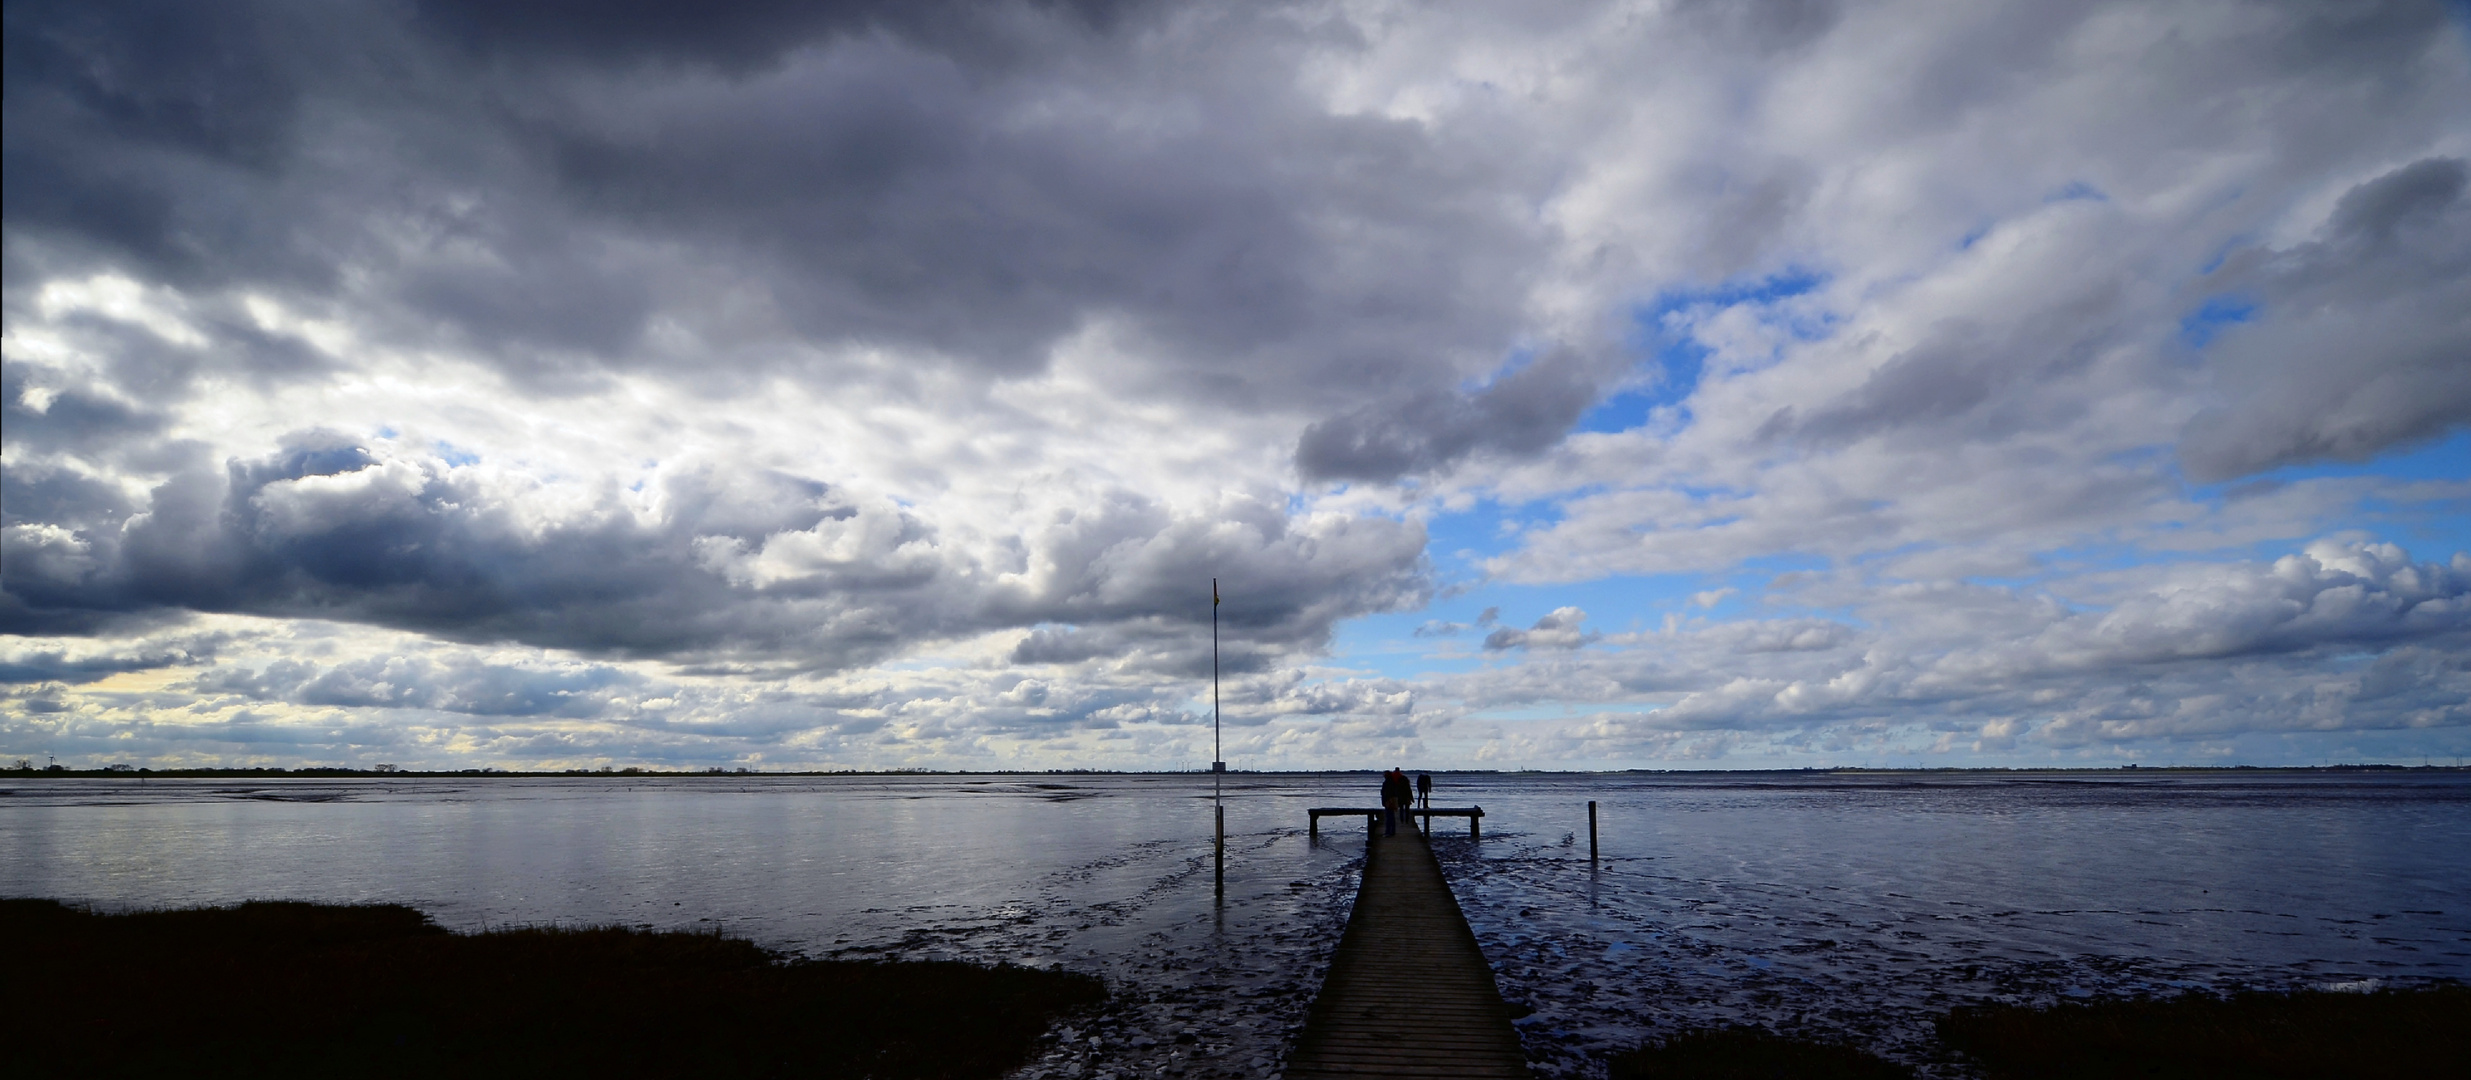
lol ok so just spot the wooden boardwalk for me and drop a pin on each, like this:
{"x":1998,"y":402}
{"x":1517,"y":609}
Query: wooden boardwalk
{"x":1408,"y":994}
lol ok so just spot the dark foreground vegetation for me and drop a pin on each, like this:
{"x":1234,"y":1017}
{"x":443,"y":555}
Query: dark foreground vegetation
{"x":2314,"y":1034}
{"x":294,"y":989}
{"x":1742,"y":1053}
{"x":2388,"y":1033}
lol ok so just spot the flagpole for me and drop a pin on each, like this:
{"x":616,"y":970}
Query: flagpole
{"x":1218,"y":760}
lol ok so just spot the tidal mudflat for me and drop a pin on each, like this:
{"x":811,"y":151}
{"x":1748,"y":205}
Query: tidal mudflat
{"x":1857,"y":908}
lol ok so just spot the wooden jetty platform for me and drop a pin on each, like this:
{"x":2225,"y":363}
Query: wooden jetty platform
{"x":1408,"y":993}
{"x":1372,"y":816}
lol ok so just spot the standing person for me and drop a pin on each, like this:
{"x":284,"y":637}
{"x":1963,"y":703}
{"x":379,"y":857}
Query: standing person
{"x":1395,"y":798}
{"x":1424,"y":790}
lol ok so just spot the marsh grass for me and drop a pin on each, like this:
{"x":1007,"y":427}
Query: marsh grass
{"x":2424,"y":1031}
{"x":296,"y":989}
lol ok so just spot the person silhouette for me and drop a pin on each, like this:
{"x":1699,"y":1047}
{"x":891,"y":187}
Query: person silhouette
{"x":1396,"y":798}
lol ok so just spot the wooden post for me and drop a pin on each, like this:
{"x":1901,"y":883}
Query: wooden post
{"x":1222,"y":851}
{"x":1591,"y":830}
{"x":1313,"y":825}
{"x":1475,"y":825}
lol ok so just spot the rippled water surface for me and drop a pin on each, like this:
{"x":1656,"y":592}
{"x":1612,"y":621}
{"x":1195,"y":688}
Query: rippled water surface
{"x":1850,"y":906}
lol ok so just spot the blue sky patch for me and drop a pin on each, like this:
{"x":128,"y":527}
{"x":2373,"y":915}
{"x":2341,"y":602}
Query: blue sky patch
{"x":1480,"y":532}
{"x":1661,"y":335}
{"x":2199,"y":328}
{"x":2431,"y":530}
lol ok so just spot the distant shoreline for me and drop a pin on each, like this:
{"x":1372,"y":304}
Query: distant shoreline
{"x":331,"y":772}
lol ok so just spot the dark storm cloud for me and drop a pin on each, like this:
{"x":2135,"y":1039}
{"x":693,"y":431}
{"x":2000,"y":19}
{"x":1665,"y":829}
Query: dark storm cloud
{"x":537,"y":185}
{"x":327,"y":529}
{"x":1966,"y":380}
{"x":72,"y":419}
{"x":393,"y":544}
{"x":1141,"y":573}
{"x":149,"y":132}
{"x":2363,"y":338}
{"x":1520,"y":413}
{"x":53,"y":667}
{"x":907,"y":199}
{"x":382,"y":542}
{"x":938,"y":177}
{"x":734,"y":36}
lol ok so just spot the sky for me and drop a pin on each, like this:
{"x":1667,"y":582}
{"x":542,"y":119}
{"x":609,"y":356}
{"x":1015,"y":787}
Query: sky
{"x":1675,"y":384}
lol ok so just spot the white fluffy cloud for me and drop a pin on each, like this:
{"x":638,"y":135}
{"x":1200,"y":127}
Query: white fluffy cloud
{"x":885,"y":384}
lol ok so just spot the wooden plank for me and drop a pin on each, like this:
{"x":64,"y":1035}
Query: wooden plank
{"x":1408,"y":993}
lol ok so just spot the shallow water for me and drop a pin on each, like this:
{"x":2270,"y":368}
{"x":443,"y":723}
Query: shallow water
{"x":1841,"y":906}
{"x":1860,"y":906}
